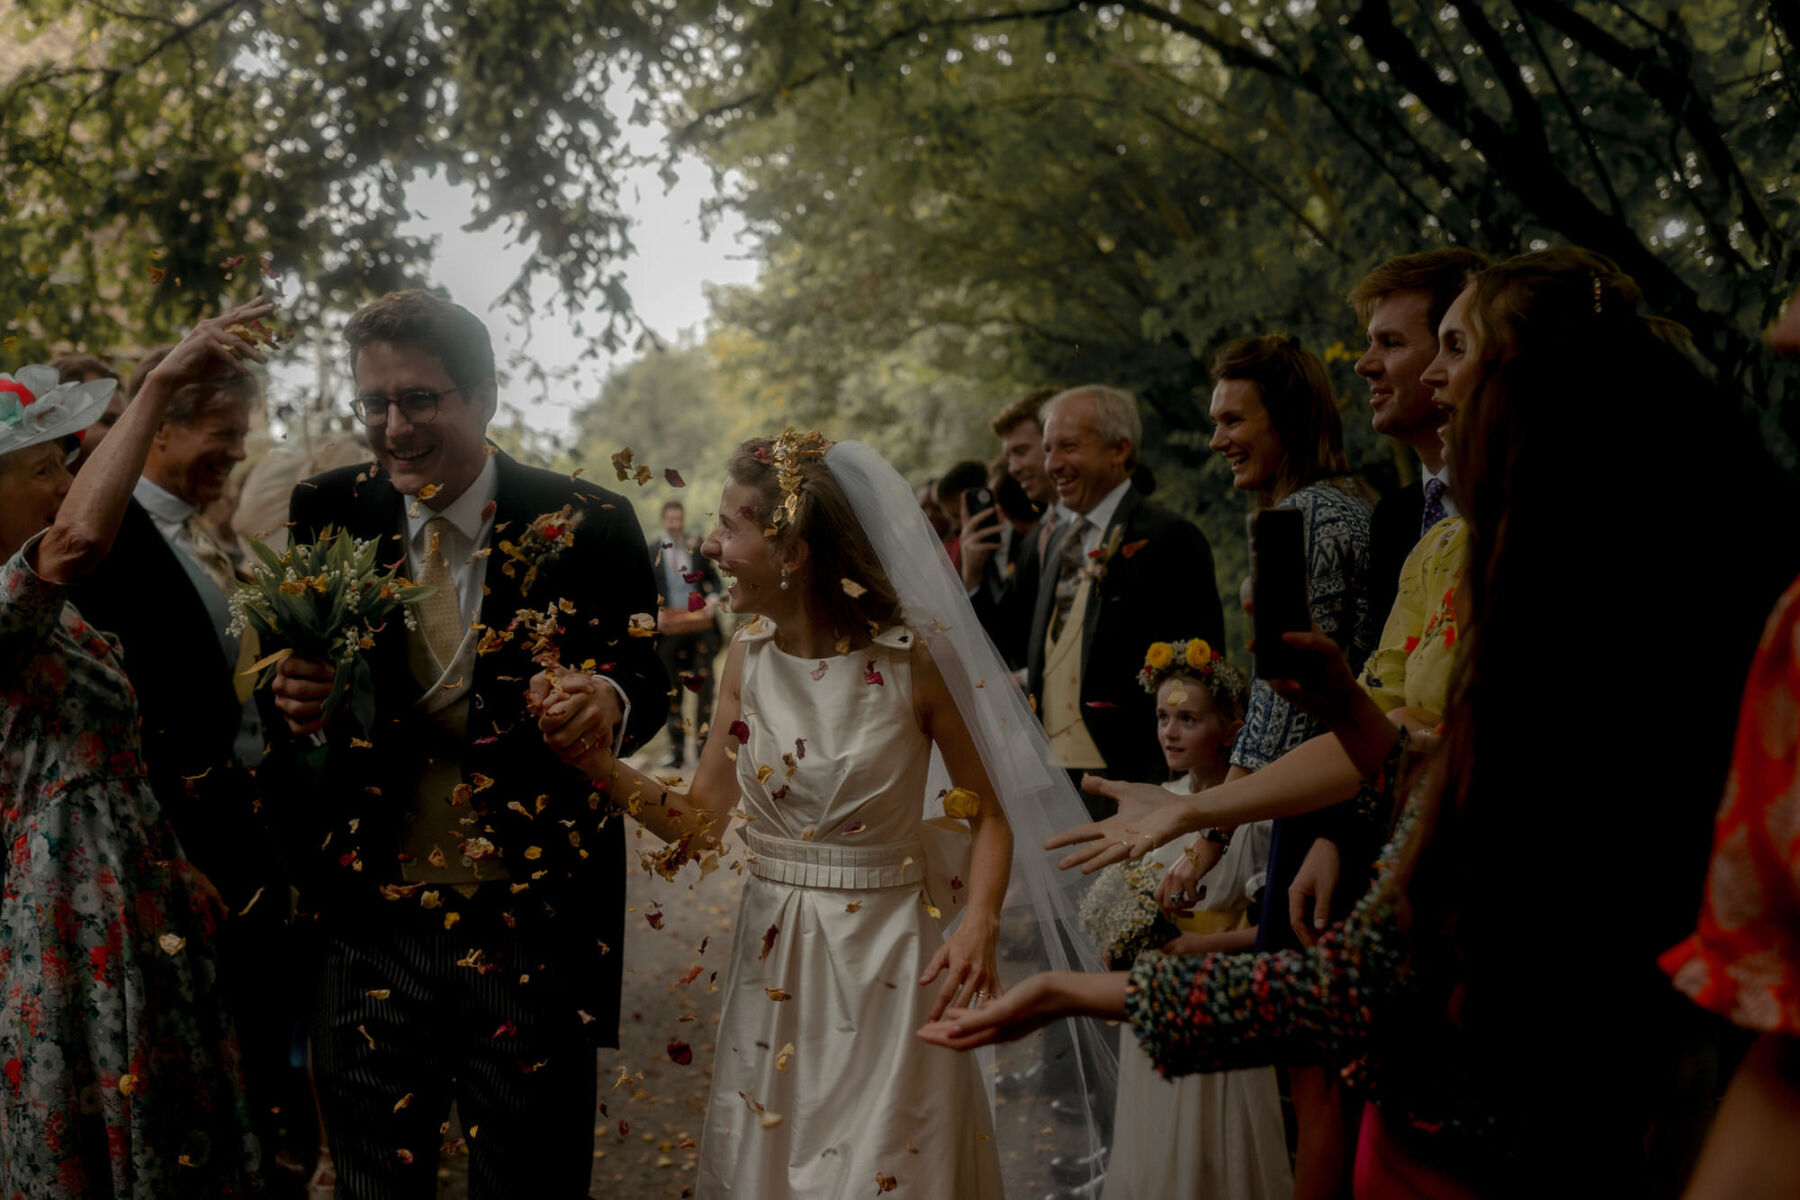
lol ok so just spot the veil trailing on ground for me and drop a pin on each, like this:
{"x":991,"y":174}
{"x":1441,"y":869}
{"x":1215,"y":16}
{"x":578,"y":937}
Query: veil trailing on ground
{"x":1039,"y":929}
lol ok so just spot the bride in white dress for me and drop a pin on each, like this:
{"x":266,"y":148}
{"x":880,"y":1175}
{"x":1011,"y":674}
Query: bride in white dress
{"x":830,"y":707}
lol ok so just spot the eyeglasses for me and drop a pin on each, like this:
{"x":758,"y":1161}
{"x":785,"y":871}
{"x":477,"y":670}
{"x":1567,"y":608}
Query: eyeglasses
{"x":418,"y":406}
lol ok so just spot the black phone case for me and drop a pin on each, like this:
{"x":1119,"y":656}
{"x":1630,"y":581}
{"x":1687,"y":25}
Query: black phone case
{"x":1278,"y":587}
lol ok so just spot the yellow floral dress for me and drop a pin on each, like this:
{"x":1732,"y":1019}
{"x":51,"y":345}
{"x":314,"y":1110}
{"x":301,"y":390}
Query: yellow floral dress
{"x":1411,"y":665}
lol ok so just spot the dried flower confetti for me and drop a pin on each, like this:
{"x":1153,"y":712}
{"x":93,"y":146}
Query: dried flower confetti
{"x":962,"y":804}
{"x":778,"y":994}
{"x":768,"y":942}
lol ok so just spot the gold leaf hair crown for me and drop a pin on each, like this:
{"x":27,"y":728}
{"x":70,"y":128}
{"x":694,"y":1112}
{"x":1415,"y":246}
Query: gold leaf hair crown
{"x":790,"y":451}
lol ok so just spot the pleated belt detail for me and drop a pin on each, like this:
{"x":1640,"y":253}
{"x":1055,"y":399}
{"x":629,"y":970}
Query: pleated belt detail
{"x":829,"y":865}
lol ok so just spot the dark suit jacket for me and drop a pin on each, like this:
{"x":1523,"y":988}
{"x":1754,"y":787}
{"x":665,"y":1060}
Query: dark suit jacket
{"x":1393,"y":532}
{"x":1007,"y":597}
{"x":1163,"y":590}
{"x":556,"y":836}
{"x":709,"y":584}
{"x":189,"y":709}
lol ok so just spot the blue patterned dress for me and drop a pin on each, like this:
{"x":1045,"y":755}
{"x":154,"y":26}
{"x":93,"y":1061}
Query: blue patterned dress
{"x":1337,"y":559}
{"x":120,"y":1071}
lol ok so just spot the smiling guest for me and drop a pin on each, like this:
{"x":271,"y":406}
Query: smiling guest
{"x":460,"y":878}
{"x":1402,"y":302}
{"x":1121,"y":570}
{"x":1277,"y":427}
{"x":162,"y":591}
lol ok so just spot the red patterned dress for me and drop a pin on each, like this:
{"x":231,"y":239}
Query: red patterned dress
{"x":119,"y":1070}
{"x":1743,"y":959}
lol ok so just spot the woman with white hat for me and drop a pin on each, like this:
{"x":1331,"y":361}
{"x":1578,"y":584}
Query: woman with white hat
{"x":117,"y":1070}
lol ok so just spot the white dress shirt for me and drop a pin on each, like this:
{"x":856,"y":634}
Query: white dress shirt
{"x":1099,"y":517}
{"x":170,"y":514}
{"x":471,"y":531}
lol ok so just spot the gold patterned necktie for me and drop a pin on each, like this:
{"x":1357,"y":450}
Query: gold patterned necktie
{"x":1069,"y":575}
{"x":208,"y":555}
{"x":439,"y":614}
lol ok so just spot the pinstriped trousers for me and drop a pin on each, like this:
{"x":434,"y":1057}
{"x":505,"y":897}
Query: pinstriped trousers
{"x":401,"y":1030}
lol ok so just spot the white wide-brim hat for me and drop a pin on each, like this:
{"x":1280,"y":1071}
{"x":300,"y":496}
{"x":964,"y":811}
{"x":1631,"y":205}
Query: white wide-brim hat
{"x":58,"y":410}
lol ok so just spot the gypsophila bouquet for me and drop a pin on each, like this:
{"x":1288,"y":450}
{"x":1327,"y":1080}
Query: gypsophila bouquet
{"x":1119,"y":912}
{"x":325,"y":600}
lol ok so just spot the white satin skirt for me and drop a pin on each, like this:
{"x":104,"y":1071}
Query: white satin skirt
{"x":819,"y":1087}
{"x":1196,"y":1137}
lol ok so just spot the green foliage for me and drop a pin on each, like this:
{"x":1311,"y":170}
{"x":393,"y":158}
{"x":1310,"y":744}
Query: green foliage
{"x":160,"y":135}
{"x":992,"y":195}
{"x":320,"y":600}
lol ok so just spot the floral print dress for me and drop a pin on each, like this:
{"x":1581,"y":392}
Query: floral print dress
{"x":1743,"y":959}
{"x":120,"y":1070}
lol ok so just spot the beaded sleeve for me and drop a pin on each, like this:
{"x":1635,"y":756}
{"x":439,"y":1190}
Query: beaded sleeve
{"x":1221,"y":1012}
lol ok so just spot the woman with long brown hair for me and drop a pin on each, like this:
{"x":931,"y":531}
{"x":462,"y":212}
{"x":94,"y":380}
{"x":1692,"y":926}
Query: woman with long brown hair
{"x":1504,"y":1047}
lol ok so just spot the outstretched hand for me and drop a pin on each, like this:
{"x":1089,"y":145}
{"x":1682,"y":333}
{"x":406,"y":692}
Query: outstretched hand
{"x":1030,"y":1006}
{"x":1148,"y":816}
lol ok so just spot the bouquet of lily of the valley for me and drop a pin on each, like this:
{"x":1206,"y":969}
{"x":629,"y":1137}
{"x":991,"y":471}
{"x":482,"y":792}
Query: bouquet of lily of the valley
{"x":325,"y":600}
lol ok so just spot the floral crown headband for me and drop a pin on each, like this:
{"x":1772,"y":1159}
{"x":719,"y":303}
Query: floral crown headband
{"x":1223,"y":682}
{"x":35,"y":408}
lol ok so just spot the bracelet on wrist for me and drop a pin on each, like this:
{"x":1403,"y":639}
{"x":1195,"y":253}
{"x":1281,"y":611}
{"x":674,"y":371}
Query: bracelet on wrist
{"x":1218,"y":837}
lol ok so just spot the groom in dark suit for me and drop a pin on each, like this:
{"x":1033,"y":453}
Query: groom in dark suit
{"x":465,"y":884}
{"x":1121,"y":571}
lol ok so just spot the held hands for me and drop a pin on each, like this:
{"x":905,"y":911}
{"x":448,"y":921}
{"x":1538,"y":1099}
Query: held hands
{"x":1147,"y":817}
{"x":576,"y":715}
{"x":301,"y":687}
{"x":968,"y":956}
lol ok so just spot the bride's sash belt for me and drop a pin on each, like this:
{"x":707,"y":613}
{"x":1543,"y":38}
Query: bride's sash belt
{"x":833,"y":865}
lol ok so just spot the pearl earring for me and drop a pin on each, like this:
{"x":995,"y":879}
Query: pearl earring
{"x":784,"y":579}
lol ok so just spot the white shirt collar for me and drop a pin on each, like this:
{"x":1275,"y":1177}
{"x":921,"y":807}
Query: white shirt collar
{"x":467,"y":513}
{"x":163,"y":505}
{"x":1100,"y":516}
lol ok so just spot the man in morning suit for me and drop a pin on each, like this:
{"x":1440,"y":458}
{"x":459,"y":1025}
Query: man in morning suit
{"x":1401,"y":303}
{"x":1120,"y":572}
{"x":162,"y":591}
{"x":467,"y":887}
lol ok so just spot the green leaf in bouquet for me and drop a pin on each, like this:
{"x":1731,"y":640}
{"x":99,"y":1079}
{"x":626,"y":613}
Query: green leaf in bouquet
{"x":362,"y":694}
{"x":268,"y":557}
{"x":340,"y":687}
